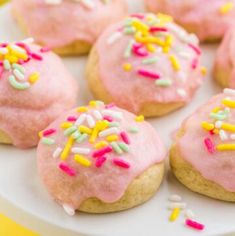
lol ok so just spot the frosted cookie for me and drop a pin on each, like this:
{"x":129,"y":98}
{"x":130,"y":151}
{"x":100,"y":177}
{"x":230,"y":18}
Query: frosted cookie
{"x":208,"y":20}
{"x":202,"y":157}
{"x":224,"y":66}
{"x":69,"y":27}
{"x":146,"y":64}
{"x":35,"y":87}
{"x":100,"y":158}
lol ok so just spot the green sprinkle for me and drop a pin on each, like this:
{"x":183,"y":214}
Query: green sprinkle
{"x":123,"y":146}
{"x":129,"y":30}
{"x":128,"y":22}
{"x":18,"y":85}
{"x":6,"y":64}
{"x":150,"y":60}
{"x":76,"y":134}
{"x":133,"y":130}
{"x":218,"y":116}
{"x":163,"y":82}
{"x":19,"y":67}
{"x":114,"y":124}
{"x":128,"y":50}
{"x":99,"y":103}
{"x":116,"y":148}
{"x":82,"y":138}
{"x":70,"y":130}
{"x":48,"y":141}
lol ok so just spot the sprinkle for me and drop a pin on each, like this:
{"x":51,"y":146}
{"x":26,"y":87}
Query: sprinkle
{"x":229,"y":103}
{"x":18,"y":74}
{"x":102,"y":151}
{"x":100,"y":161}
{"x":175,"y":198}
{"x":68,"y":209}
{"x":70,"y":130}
{"x":203,"y":70}
{"x":223,"y":135}
{"x":45,"y":49}
{"x":121,"y":163}
{"x":209,"y":145}
{"x":114,"y":114}
{"x":78,"y":150}
{"x":88,"y":4}
{"x":114,"y":37}
{"x":174,"y":62}
{"x":108,"y":118}
{"x":82,"y":160}
{"x":17,"y":85}
{"x":57,"y":152}
{"x":229,"y":91}
{"x":189,"y":214}
{"x":218,"y":124}
{"x":36,"y":56}
{"x":227,"y":7}
{"x":226,"y":147}
{"x":139,"y":51}
{"x":128,"y":50}
{"x":114,"y":124}
{"x":149,"y":74}
{"x":163,"y":82}
{"x":84,"y":129}
{"x":195,"y":48}
{"x":65,"y":125}
{"x":48,"y":132}
{"x":7,"y":65}
{"x":139,"y":118}
{"x":82,"y":109}
{"x":194,"y":224}
{"x":228,"y":127}
{"x":133,"y":130}
{"x":71,"y":119}
{"x":157,"y":29}
{"x":68,"y":170}
{"x":80,"y":119}
{"x":125,"y":137}
{"x":108,"y":132}
{"x":116,"y":148}
{"x":123,"y":146}
{"x":92,"y":103}
{"x":218,"y":116}
{"x":18,"y":67}
{"x":76,"y":134}
{"x":194,"y":63}
{"x":127,"y":67}
{"x":97,"y":114}
{"x":180,"y":205}
{"x":174,"y":215}
{"x":150,"y":60}
{"x":67,"y":148}
{"x":101,"y":144}
{"x":90,"y":121}
{"x":207,"y":126}
{"x":112,"y":138}
{"x":82,"y":138}
{"x":48,"y":141}
{"x":33,"y":78}
{"x":181,"y":92}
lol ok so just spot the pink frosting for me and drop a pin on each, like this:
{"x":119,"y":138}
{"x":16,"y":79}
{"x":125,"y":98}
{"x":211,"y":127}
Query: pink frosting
{"x":202,"y":15}
{"x":218,"y":166}
{"x":225,"y":57}
{"x":61,"y":24}
{"x":109,"y":182}
{"x":23,"y":113}
{"x":131,"y":90}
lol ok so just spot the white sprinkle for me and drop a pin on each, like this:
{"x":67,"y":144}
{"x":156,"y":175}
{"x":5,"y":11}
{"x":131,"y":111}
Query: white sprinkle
{"x":3,"y":51}
{"x":232,"y":136}
{"x":68,"y":209}
{"x":20,"y":76}
{"x":80,"y":150}
{"x":189,"y":214}
{"x":223,"y":135}
{"x":97,"y":115}
{"x":90,"y":121}
{"x":114,"y":37}
{"x":109,"y":131}
{"x":57,"y":152}
{"x":218,"y":124}
{"x":180,"y":205}
{"x":181,"y":92}
{"x":175,"y":198}
{"x":88,"y":4}
{"x":28,"y":40}
{"x":17,"y":48}
{"x":53,"y":2}
{"x":113,"y":114}
{"x":229,"y":91}
{"x":184,"y":55}
{"x":80,"y":119}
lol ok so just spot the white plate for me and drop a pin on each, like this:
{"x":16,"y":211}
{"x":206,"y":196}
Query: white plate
{"x":20,"y":184}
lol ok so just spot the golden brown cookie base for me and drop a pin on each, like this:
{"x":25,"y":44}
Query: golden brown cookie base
{"x":4,"y":138}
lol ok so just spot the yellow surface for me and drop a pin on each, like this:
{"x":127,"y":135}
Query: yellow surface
{"x":3,"y":1}
{"x":10,"y":228}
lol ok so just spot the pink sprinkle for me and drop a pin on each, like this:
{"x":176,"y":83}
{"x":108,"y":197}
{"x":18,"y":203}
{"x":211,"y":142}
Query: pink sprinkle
{"x":139,"y":50}
{"x":158,"y":29}
{"x":148,"y":74}
{"x":36,"y":56}
{"x":69,"y":171}
{"x":48,"y":132}
{"x":45,"y":49}
{"x":209,"y":145}
{"x":100,"y":161}
{"x":136,"y":15}
{"x":1,"y":71}
{"x":121,"y":163}
{"x":108,"y":118}
{"x":111,"y":105}
{"x":102,"y":151}
{"x":194,"y":63}
{"x":194,"y":224}
{"x":3,"y":45}
{"x":25,"y":46}
{"x":71,"y":118}
{"x":125,"y":137}
{"x":1,"y":63}
{"x":211,"y":132}
{"x":195,"y":48}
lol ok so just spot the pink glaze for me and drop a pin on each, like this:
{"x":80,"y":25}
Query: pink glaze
{"x":202,"y":16}
{"x":61,"y":24}
{"x":109,"y":175}
{"x":23,"y":113}
{"x":132,"y":89}
{"x":217,"y":166}
{"x":225,"y":58}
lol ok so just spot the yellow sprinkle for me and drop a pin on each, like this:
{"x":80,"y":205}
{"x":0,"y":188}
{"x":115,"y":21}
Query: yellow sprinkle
{"x":67,"y":148}
{"x":40,"y":134}
{"x":164,"y":18}
{"x":11,"y":58}
{"x":92,"y":103}
{"x":94,"y":135}
{"x":82,"y":109}
{"x":33,"y":77}
{"x":102,"y":124}
{"x":216,"y":109}
{"x":82,"y":160}
{"x":139,"y":118}
{"x":112,"y":138}
{"x":227,"y":7}
{"x":228,"y":127}
{"x":226,"y":147}
{"x":169,"y":40}
{"x":150,"y":47}
{"x":85,"y":129}
{"x":175,"y":214}
{"x":127,"y":67}
{"x":101,"y":144}
{"x":203,"y":70}
{"x":216,"y":131}
{"x":207,"y":126}
{"x":166,"y":49}
{"x":140,"y":26}
{"x":66,"y":125}
{"x":174,"y":62}
{"x":229,"y":103}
